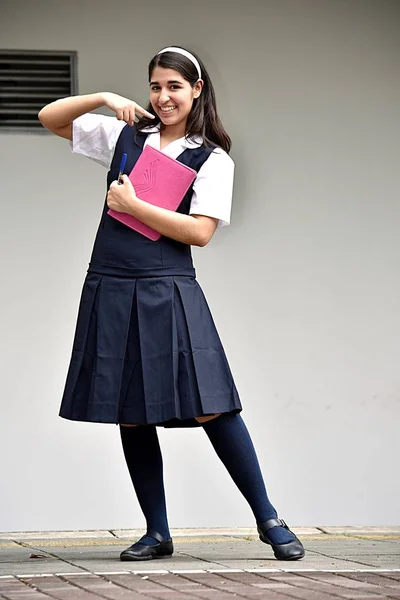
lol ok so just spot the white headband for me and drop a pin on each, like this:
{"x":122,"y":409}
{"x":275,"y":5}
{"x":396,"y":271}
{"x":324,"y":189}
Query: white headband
{"x":184,"y":53}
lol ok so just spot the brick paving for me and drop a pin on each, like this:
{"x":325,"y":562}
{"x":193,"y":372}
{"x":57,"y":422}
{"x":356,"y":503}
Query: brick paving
{"x":189,"y":586}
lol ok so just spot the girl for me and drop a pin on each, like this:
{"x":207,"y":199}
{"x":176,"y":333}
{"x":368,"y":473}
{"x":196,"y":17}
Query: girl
{"x":146,"y":351}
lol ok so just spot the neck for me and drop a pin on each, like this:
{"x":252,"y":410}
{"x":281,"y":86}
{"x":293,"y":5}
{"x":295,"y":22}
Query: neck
{"x":173,"y":132}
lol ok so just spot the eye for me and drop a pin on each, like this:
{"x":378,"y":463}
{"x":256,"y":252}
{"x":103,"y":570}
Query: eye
{"x":155,"y":88}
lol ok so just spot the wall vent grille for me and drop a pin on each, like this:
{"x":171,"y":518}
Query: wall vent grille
{"x":28,"y":81}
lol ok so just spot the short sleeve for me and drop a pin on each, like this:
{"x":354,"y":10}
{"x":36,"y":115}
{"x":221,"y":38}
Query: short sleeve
{"x":95,"y":136}
{"x":213,"y":187}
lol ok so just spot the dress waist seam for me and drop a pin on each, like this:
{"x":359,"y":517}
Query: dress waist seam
{"x":142,"y":273}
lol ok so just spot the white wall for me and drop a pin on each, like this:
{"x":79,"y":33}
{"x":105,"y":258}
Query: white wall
{"x":304,"y":285}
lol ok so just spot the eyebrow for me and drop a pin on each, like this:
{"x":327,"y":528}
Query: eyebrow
{"x":169,"y":82}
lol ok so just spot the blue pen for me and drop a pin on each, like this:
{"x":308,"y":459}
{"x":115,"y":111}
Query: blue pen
{"x":122,"y":167}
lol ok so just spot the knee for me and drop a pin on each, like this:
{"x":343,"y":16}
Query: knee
{"x":208,"y":418}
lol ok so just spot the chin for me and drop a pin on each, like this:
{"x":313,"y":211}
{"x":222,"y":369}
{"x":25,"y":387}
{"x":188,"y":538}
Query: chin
{"x":168,"y":119}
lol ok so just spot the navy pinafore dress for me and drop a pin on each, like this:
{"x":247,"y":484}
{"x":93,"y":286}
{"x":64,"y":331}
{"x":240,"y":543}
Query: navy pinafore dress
{"x":146,"y":350}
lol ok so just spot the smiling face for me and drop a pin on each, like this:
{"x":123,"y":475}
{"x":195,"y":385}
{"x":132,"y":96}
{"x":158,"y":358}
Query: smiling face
{"x":172,"y":96}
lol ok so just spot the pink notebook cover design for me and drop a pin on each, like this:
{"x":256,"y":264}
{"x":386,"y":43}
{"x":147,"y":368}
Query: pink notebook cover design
{"x":159,"y":180}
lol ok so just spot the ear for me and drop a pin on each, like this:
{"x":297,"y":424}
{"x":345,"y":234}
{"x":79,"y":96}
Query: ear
{"x":197,"y":88}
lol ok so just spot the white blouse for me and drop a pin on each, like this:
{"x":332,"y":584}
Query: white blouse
{"x":95,"y":136}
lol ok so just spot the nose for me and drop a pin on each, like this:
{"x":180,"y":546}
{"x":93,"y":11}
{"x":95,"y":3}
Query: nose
{"x":164,"y":96}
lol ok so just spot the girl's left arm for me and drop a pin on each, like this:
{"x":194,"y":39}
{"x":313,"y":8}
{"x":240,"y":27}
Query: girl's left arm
{"x":195,"y":230}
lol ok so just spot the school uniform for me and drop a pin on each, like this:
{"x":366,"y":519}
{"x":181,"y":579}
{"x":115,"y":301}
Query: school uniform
{"x":146,"y":350}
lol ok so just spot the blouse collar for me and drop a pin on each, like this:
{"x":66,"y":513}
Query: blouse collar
{"x":192,"y":142}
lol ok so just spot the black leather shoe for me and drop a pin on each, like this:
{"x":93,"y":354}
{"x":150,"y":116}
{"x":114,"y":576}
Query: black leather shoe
{"x":291,"y":551}
{"x":141,"y":551}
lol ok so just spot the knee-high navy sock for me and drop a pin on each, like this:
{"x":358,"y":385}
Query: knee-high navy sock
{"x":143,"y":457}
{"x":232,"y":442}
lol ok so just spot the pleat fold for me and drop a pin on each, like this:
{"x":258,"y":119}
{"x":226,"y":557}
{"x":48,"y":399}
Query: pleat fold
{"x":205,"y":359}
{"x":77,"y":389}
{"x":94,"y":380}
{"x":155,"y":322}
{"x":114,"y":315}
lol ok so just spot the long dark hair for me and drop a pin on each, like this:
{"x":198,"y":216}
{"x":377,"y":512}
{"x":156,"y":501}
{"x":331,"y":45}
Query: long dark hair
{"x":203,"y":119}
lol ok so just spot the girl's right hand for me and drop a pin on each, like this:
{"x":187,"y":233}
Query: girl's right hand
{"x":125,"y":109}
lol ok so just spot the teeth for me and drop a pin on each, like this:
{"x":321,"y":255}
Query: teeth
{"x":167,"y":108}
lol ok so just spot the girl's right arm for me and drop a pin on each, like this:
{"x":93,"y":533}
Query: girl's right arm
{"x":58,"y":116}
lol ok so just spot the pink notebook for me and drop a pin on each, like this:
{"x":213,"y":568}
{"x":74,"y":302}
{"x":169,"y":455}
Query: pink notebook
{"x":159,"y":180}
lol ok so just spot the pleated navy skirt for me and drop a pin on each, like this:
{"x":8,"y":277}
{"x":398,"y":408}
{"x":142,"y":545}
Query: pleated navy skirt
{"x":146,"y":351}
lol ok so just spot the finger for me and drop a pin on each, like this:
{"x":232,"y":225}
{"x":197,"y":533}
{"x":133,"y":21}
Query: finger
{"x":132,"y":116}
{"x":143,"y":111}
{"x":125,"y":178}
{"x":126,"y":114}
{"x":119,"y":114}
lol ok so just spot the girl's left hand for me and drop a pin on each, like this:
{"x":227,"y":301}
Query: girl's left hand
{"x":121,"y":196}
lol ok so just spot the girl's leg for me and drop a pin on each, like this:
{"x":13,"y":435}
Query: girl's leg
{"x":144,"y":460}
{"x":232,"y":442}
